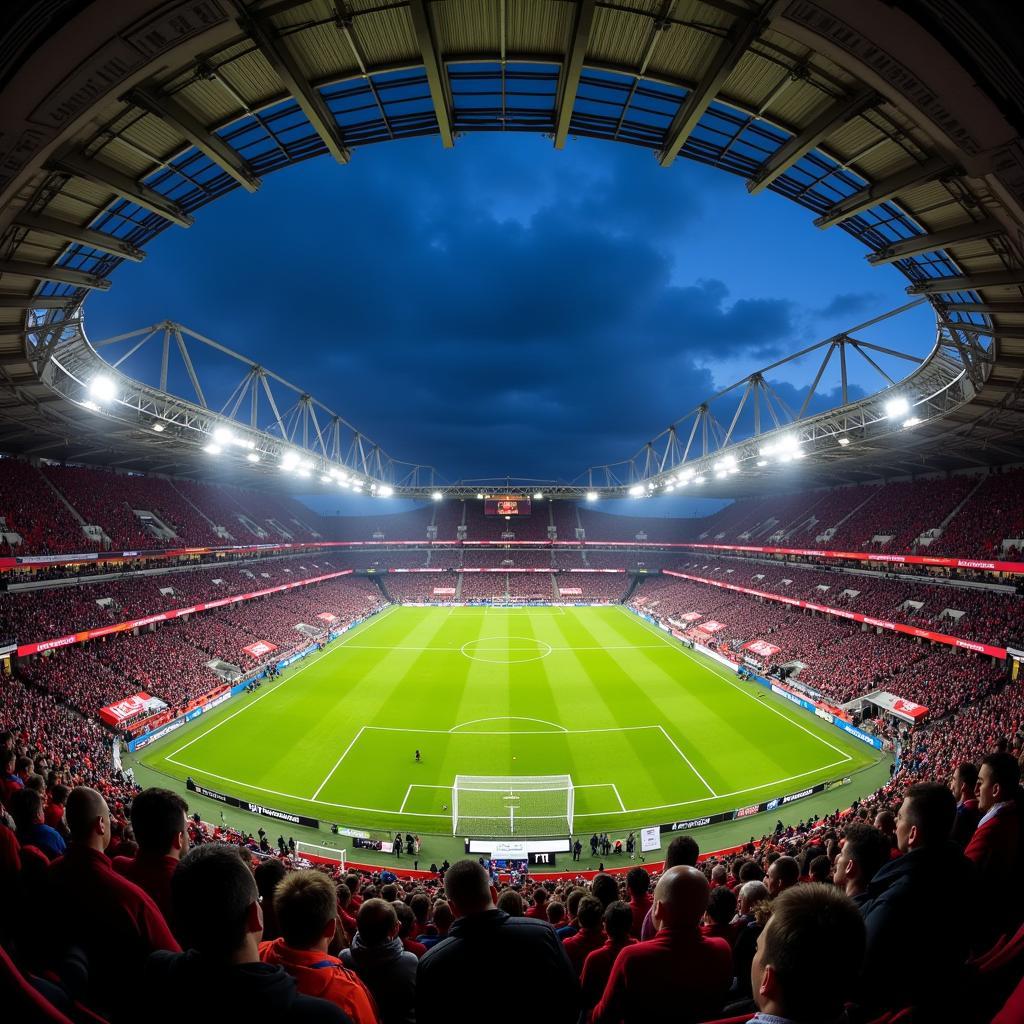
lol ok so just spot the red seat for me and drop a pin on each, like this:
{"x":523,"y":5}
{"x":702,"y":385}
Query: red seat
{"x":1013,"y":1011}
{"x":21,"y":1001}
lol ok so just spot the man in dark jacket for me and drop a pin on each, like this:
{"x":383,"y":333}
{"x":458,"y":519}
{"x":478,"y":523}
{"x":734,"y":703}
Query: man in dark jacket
{"x":919,"y":909}
{"x":218,"y":915}
{"x":455,"y":981}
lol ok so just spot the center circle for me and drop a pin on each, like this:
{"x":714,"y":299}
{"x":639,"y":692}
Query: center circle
{"x":505,"y":650}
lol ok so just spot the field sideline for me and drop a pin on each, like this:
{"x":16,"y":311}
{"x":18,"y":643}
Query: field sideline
{"x":648,"y":731}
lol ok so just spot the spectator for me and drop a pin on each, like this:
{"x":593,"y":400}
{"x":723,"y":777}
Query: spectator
{"x":269,"y":874}
{"x":638,"y":882}
{"x":590,"y":936}
{"x":782,"y":875}
{"x":678,"y":967}
{"x":53,"y":814}
{"x":808,"y":957}
{"x":750,"y":905}
{"x":963,"y":784}
{"x":455,"y":980}
{"x":217,"y":910}
{"x":865,"y":850}
{"x":377,"y":956}
{"x":572,"y":906}
{"x":307,"y":910}
{"x":618,"y":924}
{"x":682,"y":851}
{"x":26,"y":807}
{"x":605,"y":889}
{"x":556,"y":914}
{"x":160,"y":823}
{"x":720,"y":914}
{"x":539,"y":909}
{"x":442,"y":922}
{"x":919,"y":907}
{"x":420,"y":907}
{"x":90,"y":906}
{"x":406,"y":924}
{"x":511,"y":902}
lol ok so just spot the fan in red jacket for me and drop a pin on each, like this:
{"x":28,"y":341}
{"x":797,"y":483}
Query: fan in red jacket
{"x":678,"y":967}
{"x":618,"y":920}
{"x":590,"y":936}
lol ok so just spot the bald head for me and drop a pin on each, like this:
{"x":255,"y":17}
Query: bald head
{"x":88,"y":817}
{"x":680,"y":898}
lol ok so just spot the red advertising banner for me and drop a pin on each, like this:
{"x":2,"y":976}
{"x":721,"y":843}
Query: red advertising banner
{"x":137,"y":704}
{"x":762,"y":647}
{"x":711,"y":626}
{"x":91,"y":634}
{"x":327,"y":617}
{"x":444,"y":591}
{"x":897,"y":627}
{"x":691,"y":616}
{"x":570,"y":591}
{"x":258,"y":649}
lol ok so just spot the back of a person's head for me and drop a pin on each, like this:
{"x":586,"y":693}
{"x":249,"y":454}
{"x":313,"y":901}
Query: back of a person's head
{"x":618,"y":920}
{"x":604,"y":888}
{"x":753,"y":892}
{"x":868,"y":847}
{"x":212,"y":892}
{"x":719,"y":874}
{"x":375,"y":922}
{"x":442,"y":916}
{"x":306,"y":905}
{"x":590,"y":911}
{"x":680,"y":898}
{"x":930,"y":808}
{"x":406,"y":920}
{"x":682,"y":850}
{"x":468,"y":886}
{"x":572,"y":901}
{"x":158,"y":818}
{"x":814,"y":944}
{"x":389,"y":892}
{"x":420,"y":907}
{"x":84,"y":808}
{"x":750,"y":872}
{"x":820,"y":869}
{"x":967,"y":773}
{"x":721,"y":905}
{"x":59,"y":793}
{"x":26,"y":808}
{"x":555,"y":911}
{"x":1004,"y":769}
{"x":638,"y":881}
{"x":786,"y":872}
{"x":510,"y":902}
{"x":269,"y":874}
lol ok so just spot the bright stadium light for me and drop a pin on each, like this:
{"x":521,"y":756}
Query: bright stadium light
{"x":253,"y":457}
{"x":591,"y":495}
{"x":289,"y":460}
{"x":843,"y":442}
{"x":102,"y":388}
{"x":720,"y":474}
{"x":213,"y":449}
{"x":324,"y":478}
{"x":799,"y":455}
{"x":437,"y":496}
{"x":306,"y":464}
{"x":90,"y":405}
{"x":725,"y":464}
{"x":304,"y":473}
{"x":636,"y":490}
{"x":158,"y":427}
{"x":479,"y":496}
{"x":761,"y":463}
{"x":538,"y":496}
{"x":897,"y":407}
{"x":384,"y":491}
{"x":698,"y":479}
{"x":223,"y":436}
{"x":912,"y":422}
{"x":670,"y":487}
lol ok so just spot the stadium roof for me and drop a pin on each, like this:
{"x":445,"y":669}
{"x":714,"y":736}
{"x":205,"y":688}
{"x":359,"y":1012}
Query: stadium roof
{"x":902,"y":127}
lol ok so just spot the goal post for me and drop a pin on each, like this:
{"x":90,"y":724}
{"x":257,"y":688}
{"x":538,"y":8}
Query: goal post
{"x":512,"y":805}
{"x":321,"y":852}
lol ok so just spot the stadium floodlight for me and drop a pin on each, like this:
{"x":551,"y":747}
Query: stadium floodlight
{"x":726,"y":463}
{"x":223,"y":436}
{"x":306,"y":464}
{"x":102,"y":388}
{"x":304,"y":473}
{"x":479,"y":496}
{"x":324,"y":478}
{"x":636,"y":490}
{"x":384,"y":491}
{"x":289,"y":460}
{"x":698,"y":479}
{"x":897,"y":407}
{"x":437,"y":496}
{"x":843,"y":442}
{"x":253,"y":457}
{"x":912,"y":422}
{"x":670,"y":487}
{"x":158,"y":427}
{"x":213,"y":448}
{"x":720,"y":474}
{"x":538,"y":496}
{"x":591,"y":495}
{"x":90,"y":405}
{"x":761,"y":463}
{"x":799,"y":454}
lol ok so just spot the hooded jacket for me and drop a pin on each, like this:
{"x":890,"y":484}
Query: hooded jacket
{"x":389,"y":972}
{"x":254,"y":991}
{"x":324,"y":976}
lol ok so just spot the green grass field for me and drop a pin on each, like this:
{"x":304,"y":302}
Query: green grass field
{"x":648,"y":731}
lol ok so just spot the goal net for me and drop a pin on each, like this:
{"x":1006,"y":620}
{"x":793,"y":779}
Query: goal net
{"x":512,"y":805}
{"x":321,"y":852}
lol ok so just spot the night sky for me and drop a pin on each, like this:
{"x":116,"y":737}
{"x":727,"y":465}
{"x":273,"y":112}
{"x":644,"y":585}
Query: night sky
{"x":503,"y":308}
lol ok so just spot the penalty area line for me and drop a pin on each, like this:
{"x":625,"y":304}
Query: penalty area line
{"x":362,"y":729}
{"x":687,"y":760}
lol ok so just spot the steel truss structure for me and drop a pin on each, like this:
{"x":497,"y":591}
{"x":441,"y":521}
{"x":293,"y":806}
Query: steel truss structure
{"x":901,"y":128}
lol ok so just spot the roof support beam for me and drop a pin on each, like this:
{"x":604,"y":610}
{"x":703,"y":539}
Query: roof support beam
{"x":726,"y":57}
{"x":972,"y":232}
{"x":991,"y":308}
{"x":797,"y":147}
{"x":572,"y":69}
{"x":967,"y":282}
{"x":104,"y":176}
{"x":61,"y":275}
{"x":213,"y":146}
{"x":886,"y":188}
{"x":434,"y":68}
{"x":996,"y":331}
{"x":84,"y":236}
{"x":38,"y":301}
{"x":312,"y":103}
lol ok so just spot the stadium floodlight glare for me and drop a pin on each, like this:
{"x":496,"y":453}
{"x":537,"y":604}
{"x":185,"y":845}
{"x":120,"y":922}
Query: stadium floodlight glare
{"x":843,"y":442}
{"x":213,"y":448}
{"x":437,"y":496}
{"x":479,"y":496}
{"x":253,"y":457}
{"x":799,"y":455}
{"x":591,"y":495}
{"x":304,"y":473}
{"x":897,"y":407}
{"x":384,"y":491}
{"x":912,"y":422}
{"x":158,"y":427}
{"x":670,"y":487}
{"x":720,"y":474}
{"x":306,"y":464}
{"x":223,"y":436}
{"x":289,"y":460}
{"x":90,"y":405}
{"x":324,"y":478}
{"x":636,"y":490}
{"x":761,"y":463}
{"x":538,"y":496}
{"x":698,"y":479}
{"x":725,"y":464}
{"x":102,"y":388}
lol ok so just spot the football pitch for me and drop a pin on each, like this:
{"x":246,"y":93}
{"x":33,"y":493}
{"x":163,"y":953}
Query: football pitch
{"x":648,"y":732}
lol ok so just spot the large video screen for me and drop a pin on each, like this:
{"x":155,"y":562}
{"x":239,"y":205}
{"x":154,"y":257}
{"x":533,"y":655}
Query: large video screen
{"x":506,"y":506}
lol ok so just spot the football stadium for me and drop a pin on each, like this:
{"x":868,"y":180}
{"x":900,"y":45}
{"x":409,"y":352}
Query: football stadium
{"x":307,"y":723}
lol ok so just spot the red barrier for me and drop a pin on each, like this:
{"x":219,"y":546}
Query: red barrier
{"x":896,"y":627}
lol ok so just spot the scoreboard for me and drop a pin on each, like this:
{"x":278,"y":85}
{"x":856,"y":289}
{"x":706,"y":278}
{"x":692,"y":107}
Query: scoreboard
{"x":506,"y":505}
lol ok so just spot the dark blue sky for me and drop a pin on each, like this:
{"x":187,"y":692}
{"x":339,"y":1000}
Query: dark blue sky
{"x":503,"y":308}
